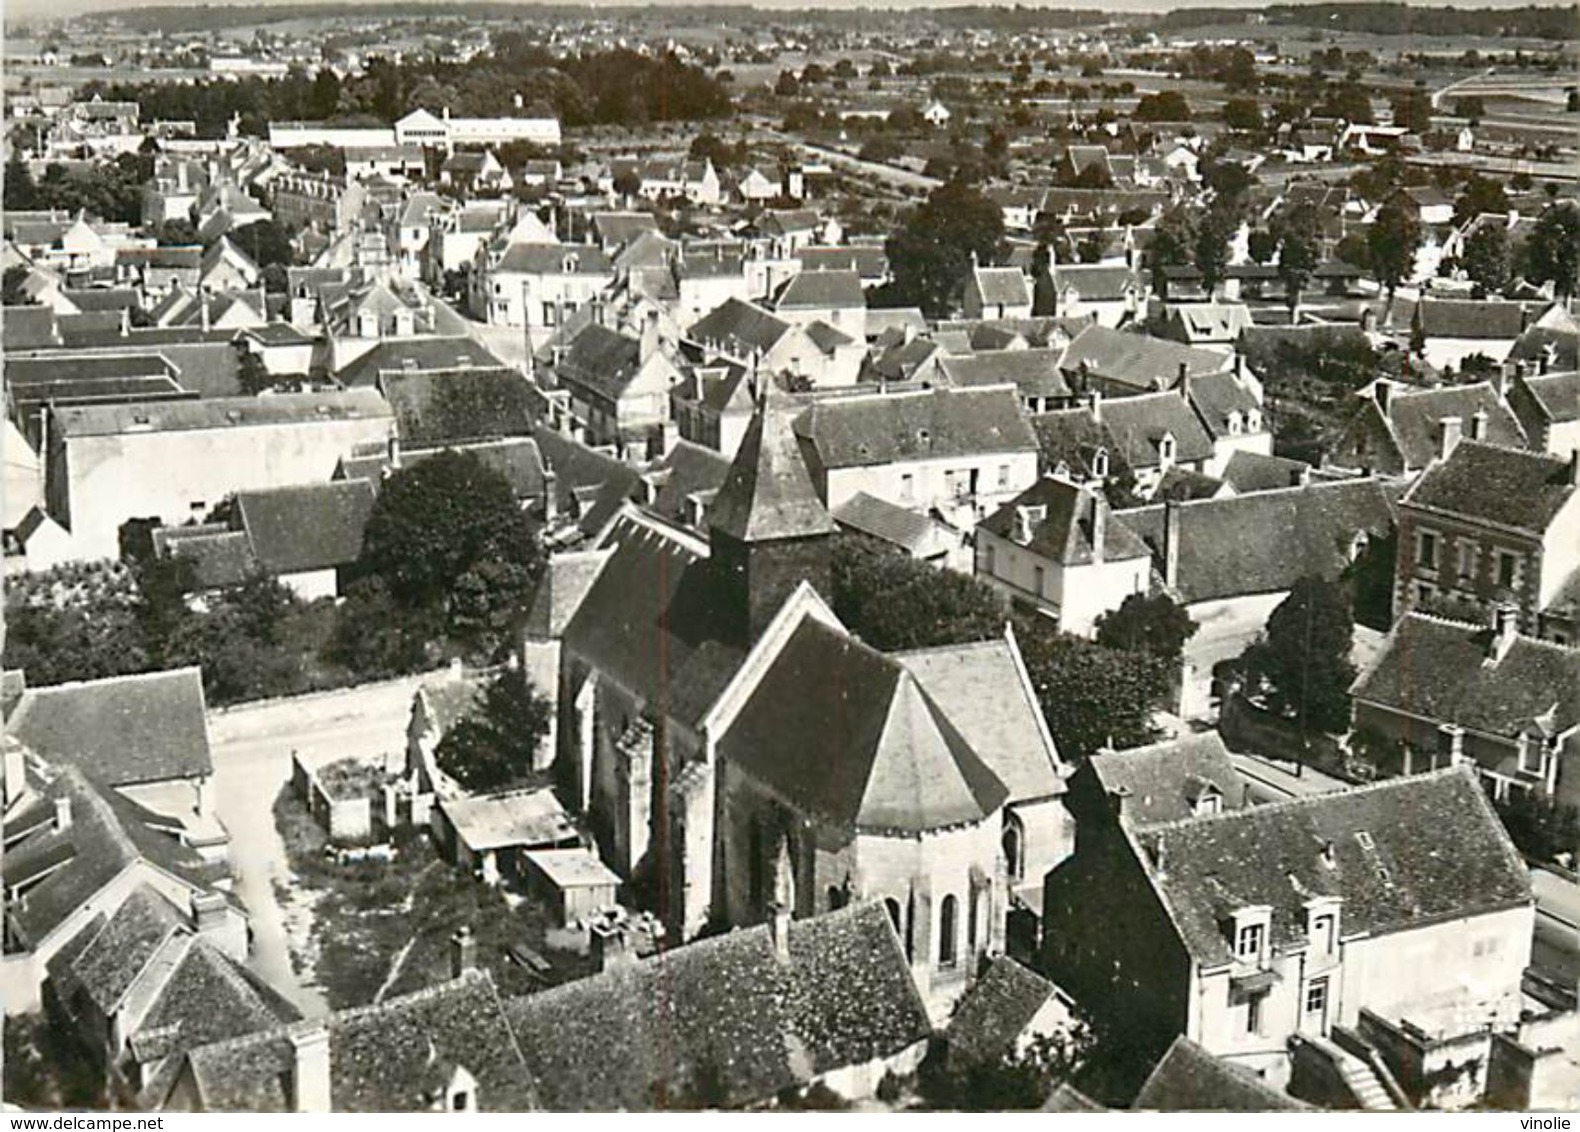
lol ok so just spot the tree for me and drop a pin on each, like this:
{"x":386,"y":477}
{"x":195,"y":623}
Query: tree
{"x":178,"y":233}
{"x":1299,"y":246}
{"x":374,"y":637}
{"x":11,"y":293}
{"x":1091,"y":695}
{"x":324,"y":101}
{"x":932,"y":252}
{"x":1018,"y":1081}
{"x":1262,"y":245}
{"x":1370,"y":580}
{"x":1554,"y":249}
{"x":1173,"y":240}
{"x":1392,"y":242}
{"x":265,"y":242}
{"x":1153,"y":623}
{"x":19,"y":190}
{"x":1165,"y":106}
{"x":1480,"y":194}
{"x":77,"y":622}
{"x":1486,"y":260}
{"x":787,"y":85}
{"x":1472,"y":107}
{"x":440,"y":520}
{"x":252,"y":375}
{"x":1242,"y":114}
{"x":893,"y":601}
{"x":1303,"y":658}
{"x":1413,"y":111}
{"x":1211,"y":251}
{"x":493,"y":746}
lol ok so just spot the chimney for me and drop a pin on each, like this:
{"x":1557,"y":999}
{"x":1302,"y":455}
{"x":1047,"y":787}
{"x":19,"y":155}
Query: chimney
{"x":209,"y":912}
{"x":126,"y":322}
{"x":1548,"y":356}
{"x":1023,"y":525}
{"x":1519,"y":368}
{"x":1572,"y":474}
{"x":1239,"y":367}
{"x":1500,"y":379}
{"x":1451,"y":743}
{"x":1095,"y":400}
{"x":1183,"y":385}
{"x":1160,"y":858}
{"x":1382,"y":390}
{"x":393,"y":455}
{"x":62,"y":814}
{"x":1449,"y":430}
{"x":463,"y":952}
{"x":1505,"y":628}
{"x":1525,"y":318}
{"x":520,"y":102}
{"x":1171,"y":543}
{"x":649,"y":342}
{"x":1478,"y":425}
{"x":1117,"y":803}
{"x":606,"y":943}
{"x":1329,"y":855}
{"x":310,"y":1089}
{"x":1301,"y":476}
{"x":551,"y":503}
{"x":1099,"y":525}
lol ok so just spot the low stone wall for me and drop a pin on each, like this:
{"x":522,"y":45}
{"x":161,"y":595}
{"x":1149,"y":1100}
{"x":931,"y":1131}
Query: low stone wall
{"x":347,"y":819}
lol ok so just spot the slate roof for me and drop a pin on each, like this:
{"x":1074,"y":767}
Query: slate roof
{"x":1138,"y":360}
{"x":1558,"y":347}
{"x":1136,"y":426}
{"x":1005,"y":286}
{"x":28,"y":328}
{"x":300,"y":409}
{"x":687,"y":470}
{"x":513,"y":819}
{"x":215,"y":556}
{"x":867,"y":262}
{"x":935,"y":424}
{"x":107,"y":833}
{"x":1065,"y":532}
{"x":1254,"y":471}
{"x":1407,"y":852}
{"x":981,"y":688}
{"x":601,"y":359}
{"x":768,"y":493}
{"x":724,"y":1018}
{"x":1439,"y":670}
{"x":579,"y":471}
{"x":1072,"y":437}
{"x":555,"y":259}
{"x":561,"y":589}
{"x":880,"y":519}
{"x":653,"y":621}
{"x":821,"y":290}
{"x":389,"y":1057}
{"x":1034,"y":373}
{"x":1414,"y":414}
{"x":1215,"y":396}
{"x":889,"y":759}
{"x":738,"y":328}
{"x":452,"y":406}
{"x":1096,"y":282}
{"x":306,"y":527}
{"x":996,"y":1011}
{"x":1474,"y":318}
{"x":1512,"y":488}
{"x":1162,"y":781}
{"x":108,"y":965}
{"x":615,"y":228}
{"x":1189,"y":1079}
{"x":405,"y":354}
{"x":1558,"y":395}
{"x":1265,"y":542}
{"x":122,"y":730}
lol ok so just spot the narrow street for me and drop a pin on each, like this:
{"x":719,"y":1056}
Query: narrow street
{"x":252,"y":747}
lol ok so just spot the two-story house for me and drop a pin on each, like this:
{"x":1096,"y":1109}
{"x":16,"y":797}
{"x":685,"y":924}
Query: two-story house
{"x":1053,"y":549}
{"x":1451,"y":691}
{"x":960,"y":452}
{"x":1400,"y":430}
{"x":996,"y":292}
{"x":1391,"y":909}
{"x":1487,"y":525}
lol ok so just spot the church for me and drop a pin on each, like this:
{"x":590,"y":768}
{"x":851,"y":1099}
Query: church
{"x":729,"y":742}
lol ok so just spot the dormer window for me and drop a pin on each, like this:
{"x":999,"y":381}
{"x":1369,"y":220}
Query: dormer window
{"x":1253,"y":421}
{"x":1166,"y":448}
{"x":1251,"y":927}
{"x":1100,"y":463}
{"x":1235,"y":425}
{"x":1530,"y":753}
{"x":1249,"y":941}
{"x":1322,"y":925}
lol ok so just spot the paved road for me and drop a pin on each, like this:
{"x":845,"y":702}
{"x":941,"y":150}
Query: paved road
{"x":252,"y":761}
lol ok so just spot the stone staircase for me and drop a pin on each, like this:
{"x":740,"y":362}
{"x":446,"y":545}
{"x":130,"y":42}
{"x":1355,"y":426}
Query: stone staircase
{"x":1362,"y":1081}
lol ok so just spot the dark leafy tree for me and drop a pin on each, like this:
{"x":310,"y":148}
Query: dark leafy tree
{"x":1394,"y":237}
{"x":1173,"y":240}
{"x":1480,"y":194}
{"x":1544,"y":829}
{"x":324,"y":101}
{"x":252,"y":375}
{"x":11,"y":293}
{"x":1018,"y":1081}
{"x":18,"y":188}
{"x":1486,"y":260}
{"x":438,"y":520}
{"x":266,"y":242}
{"x":78,"y":622}
{"x":1212,"y":246}
{"x":374,"y":636}
{"x":1165,"y":106}
{"x":1153,"y":623}
{"x":932,"y":252}
{"x":1092,"y":696}
{"x":1370,"y":580}
{"x":1303,"y":661}
{"x":493,"y":747}
{"x":1262,"y":245}
{"x":1554,"y":249}
{"x":1299,"y":246}
{"x":787,"y":86}
{"x":1242,"y":114}
{"x":178,"y":233}
{"x":1413,"y":111}
{"x":892,"y":601}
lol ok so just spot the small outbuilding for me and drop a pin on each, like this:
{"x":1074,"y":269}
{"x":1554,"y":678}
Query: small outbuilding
{"x":573,"y":882}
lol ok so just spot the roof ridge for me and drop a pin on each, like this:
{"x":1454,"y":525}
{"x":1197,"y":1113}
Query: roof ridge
{"x":1307,"y":801}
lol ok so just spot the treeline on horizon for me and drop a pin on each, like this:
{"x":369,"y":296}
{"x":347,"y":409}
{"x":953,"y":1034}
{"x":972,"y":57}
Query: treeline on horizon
{"x":618,"y":87}
{"x":1552,"y":22}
